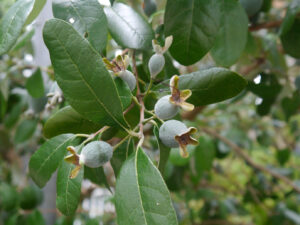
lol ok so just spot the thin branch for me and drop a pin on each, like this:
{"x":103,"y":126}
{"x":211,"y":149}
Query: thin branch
{"x":267,"y":25}
{"x":242,"y":153}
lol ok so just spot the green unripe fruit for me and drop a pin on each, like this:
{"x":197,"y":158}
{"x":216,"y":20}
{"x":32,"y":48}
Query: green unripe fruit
{"x":156,"y":64}
{"x":96,"y":154}
{"x":8,"y":197}
{"x":164,"y":109}
{"x":169,"y":130}
{"x":129,"y":78}
{"x":30,"y":197}
{"x":251,"y":6}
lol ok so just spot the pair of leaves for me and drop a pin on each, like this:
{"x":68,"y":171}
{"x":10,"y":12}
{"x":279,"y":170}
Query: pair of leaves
{"x":194,"y":25}
{"x":21,"y":13}
{"x":142,"y":197}
{"x":87,"y":17}
{"x":210,"y":86}
{"x":82,"y":76}
{"x":43,"y":164}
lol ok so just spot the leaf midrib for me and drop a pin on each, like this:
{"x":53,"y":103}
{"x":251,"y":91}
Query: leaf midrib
{"x":91,"y":90}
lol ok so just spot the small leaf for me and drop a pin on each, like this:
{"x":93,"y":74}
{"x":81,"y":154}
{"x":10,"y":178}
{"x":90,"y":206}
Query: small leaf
{"x":120,"y":155}
{"x":164,"y":151}
{"x":291,"y":39}
{"x":232,"y":37}
{"x":283,"y":155}
{"x":85,"y":82}
{"x":124,"y":92}
{"x":142,"y":197}
{"x":209,"y":86}
{"x":23,"y":40}
{"x":44,"y":162}
{"x":87,"y":17}
{"x":290,"y":16}
{"x":127,"y":27}
{"x":68,"y":190}
{"x":67,"y":120}
{"x":194,"y":25}
{"x":12,"y":24}
{"x":204,"y":155}
{"x":96,"y":175}
{"x":37,"y":8}
{"x":35,"y":84}
{"x":25,"y":130}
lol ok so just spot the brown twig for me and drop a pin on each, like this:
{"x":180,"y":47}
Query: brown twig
{"x":242,"y":153}
{"x":268,"y":25}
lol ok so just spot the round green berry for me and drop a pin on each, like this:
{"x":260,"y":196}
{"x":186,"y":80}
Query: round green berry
{"x":156,"y":64}
{"x":164,"y":109}
{"x":96,"y":154}
{"x":129,"y":78}
{"x":169,"y":130}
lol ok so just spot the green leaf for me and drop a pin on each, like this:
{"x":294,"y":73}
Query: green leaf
{"x":23,"y":40}
{"x":87,"y":17}
{"x":124,"y":92}
{"x":68,"y":190}
{"x":37,"y":8}
{"x":35,"y":218}
{"x":12,"y":24}
{"x":142,"y":197}
{"x":209,"y":86}
{"x":96,"y":175}
{"x":127,"y":27}
{"x":35,"y":84}
{"x":82,"y":76}
{"x":47,"y":158}
{"x":290,"y":16}
{"x":25,"y":130}
{"x":291,"y":39}
{"x":164,"y":151}
{"x":120,"y":155}
{"x":194,"y":25}
{"x":13,"y":116}
{"x":204,"y":155}
{"x":232,"y":37}
{"x":283,"y":156}
{"x":67,"y":120}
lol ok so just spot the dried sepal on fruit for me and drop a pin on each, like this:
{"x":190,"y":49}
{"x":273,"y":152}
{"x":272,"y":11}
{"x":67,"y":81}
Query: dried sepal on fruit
{"x":119,"y":66}
{"x":94,"y":154}
{"x":174,"y":133}
{"x":168,"y":106}
{"x":157,"y":61}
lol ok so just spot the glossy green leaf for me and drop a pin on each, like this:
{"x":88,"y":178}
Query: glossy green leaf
{"x":35,"y":84}
{"x":127,"y":27}
{"x":12,"y":24}
{"x":44,"y":162}
{"x":232,"y":37}
{"x":67,"y":120}
{"x":291,"y":39}
{"x":25,"y":130}
{"x":82,"y":76}
{"x":194,"y":25}
{"x":68,"y":190}
{"x":124,"y":92}
{"x":209,"y":86}
{"x":204,"y":155}
{"x":164,"y":151}
{"x":87,"y":17}
{"x":37,"y":8}
{"x":142,"y":197}
{"x":120,"y":155}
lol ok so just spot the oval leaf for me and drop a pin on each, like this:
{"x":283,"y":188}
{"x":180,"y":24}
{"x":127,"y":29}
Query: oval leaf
{"x":232,"y":37}
{"x":12,"y":24}
{"x":46,"y":159}
{"x":37,"y":8}
{"x":67,"y":120}
{"x":35,"y":84}
{"x":127,"y":27}
{"x":142,"y":197}
{"x":68,"y":190}
{"x":82,"y":76}
{"x":194,"y":25}
{"x":25,"y":130}
{"x":87,"y":17}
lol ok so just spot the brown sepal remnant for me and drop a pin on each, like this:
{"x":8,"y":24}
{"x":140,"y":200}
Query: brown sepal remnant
{"x":185,"y":139}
